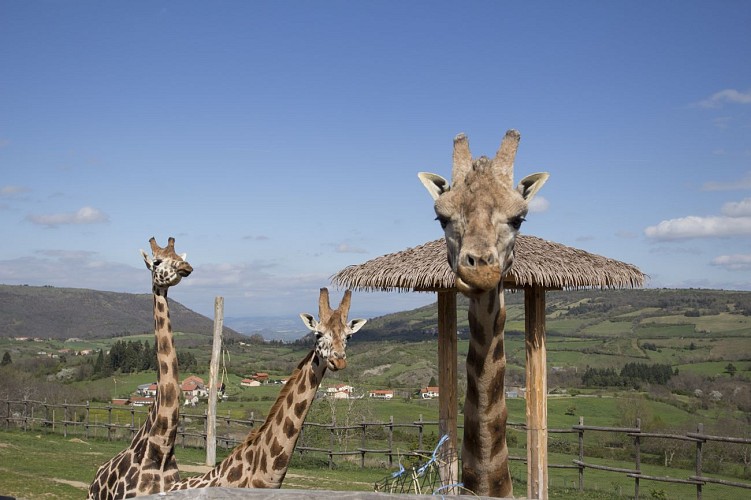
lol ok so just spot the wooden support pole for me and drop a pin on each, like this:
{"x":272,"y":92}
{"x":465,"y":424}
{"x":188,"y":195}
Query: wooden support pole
{"x":447,"y":403}
{"x":537,"y":391}
{"x":216,"y":351}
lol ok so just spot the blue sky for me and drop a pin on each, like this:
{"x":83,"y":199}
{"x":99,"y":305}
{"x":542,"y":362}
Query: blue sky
{"x":280,"y":141}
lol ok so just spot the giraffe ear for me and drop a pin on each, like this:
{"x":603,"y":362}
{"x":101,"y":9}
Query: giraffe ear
{"x":355,"y":325}
{"x":434,"y":183}
{"x":309,"y":321}
{"x":529,"y":186}
{"x":147,"y":260}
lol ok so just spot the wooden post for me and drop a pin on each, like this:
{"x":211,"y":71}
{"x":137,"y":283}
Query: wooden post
{"x":537,"y":391}
{"x":699,"y":446}
{"x":447,"y":403}
{"x":213,"y":380}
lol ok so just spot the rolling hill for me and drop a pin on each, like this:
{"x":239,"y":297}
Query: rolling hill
{"x":63,"y":313}
{"x":591,"y":313}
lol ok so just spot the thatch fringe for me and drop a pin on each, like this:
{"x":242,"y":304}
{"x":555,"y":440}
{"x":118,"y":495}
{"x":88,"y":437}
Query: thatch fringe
{"x":536,"y":262}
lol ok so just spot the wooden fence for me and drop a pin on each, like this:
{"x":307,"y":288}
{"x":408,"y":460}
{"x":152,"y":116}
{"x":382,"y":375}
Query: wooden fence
{"x":122,"y":422}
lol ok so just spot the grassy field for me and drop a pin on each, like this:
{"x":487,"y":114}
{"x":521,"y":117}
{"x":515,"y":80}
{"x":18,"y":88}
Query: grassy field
{"x":34,"y":465}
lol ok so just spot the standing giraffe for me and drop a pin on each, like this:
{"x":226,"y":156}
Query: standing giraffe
{"x":148,"y":465}
{"x":481,"y":213}
{"x":261,"y":461}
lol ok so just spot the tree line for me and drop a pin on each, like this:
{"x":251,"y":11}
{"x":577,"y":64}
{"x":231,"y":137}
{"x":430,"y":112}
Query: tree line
{"x":134,"y":356}
{"x":631,"y":375}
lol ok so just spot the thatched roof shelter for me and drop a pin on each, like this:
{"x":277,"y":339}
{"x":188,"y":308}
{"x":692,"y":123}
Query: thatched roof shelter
{"x":539,"y":265}
{"x":537,"y":262}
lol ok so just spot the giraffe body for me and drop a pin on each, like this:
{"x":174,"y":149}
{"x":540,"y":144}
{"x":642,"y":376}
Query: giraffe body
{"x":148,"y":465}
{"x":481,"y":213}
{"x":261,"y":461}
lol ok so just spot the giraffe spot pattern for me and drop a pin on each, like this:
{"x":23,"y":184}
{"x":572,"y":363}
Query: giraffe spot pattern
{"x":289,"y":428}
{"x":235,"y":473}
{"x":281,"y":461}
{"x":276,"y":448}
{"x":300,"y":408}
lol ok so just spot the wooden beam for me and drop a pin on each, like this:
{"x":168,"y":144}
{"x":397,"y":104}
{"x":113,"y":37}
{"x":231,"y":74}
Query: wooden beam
{"x":447,"y":404}
{"x":537,"y":391}
{"x":216,"y":350}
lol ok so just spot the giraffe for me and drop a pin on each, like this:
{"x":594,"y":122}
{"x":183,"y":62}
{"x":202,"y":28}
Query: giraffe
{"x":481,"y":213}
{"x":261,"y":461}
{"x":148,"y":465}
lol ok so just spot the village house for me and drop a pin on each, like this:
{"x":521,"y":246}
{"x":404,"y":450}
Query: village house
{"x":340,"y":391}
{"x":249,"y":382}
{"x":381,"y":394}
{"x":193,"y":387}
{"x":429,"y":392}
{"x":141,"y":401}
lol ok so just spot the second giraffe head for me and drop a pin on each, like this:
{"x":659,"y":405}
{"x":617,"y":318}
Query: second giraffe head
{"x":167,"y":267}
{"x":332,"y":329}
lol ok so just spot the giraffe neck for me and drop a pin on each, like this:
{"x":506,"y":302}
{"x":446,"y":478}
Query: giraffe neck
{"x":261,"y":461}
{"x":165,"y":411}
{"x":485,"y":454}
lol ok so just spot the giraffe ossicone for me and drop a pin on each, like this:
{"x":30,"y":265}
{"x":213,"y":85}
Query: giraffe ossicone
{"x":481,"y":213}
{"x":262,"y":459}
{"x":148,"y":464}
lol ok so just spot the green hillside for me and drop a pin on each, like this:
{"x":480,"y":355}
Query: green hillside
{"x":64,"y":313}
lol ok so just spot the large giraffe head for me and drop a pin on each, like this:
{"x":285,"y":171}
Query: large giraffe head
{"x":332,"y":329}
{"x":481,"y":212}
{"x":167,"y":267}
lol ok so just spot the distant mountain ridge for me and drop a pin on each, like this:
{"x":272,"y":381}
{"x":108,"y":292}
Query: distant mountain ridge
{"x":62,"y":313}
{"x":562,"y":307}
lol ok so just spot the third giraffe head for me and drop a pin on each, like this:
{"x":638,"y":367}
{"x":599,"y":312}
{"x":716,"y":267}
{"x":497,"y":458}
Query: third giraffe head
{"x":481,"y":212}
{"x":332,"y":329}
{"x":167,"y":267}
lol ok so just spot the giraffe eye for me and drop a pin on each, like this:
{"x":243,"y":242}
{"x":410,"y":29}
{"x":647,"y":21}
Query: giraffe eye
{"x":157,"y":262}
{"x":444,"y":221}
{"x":516,"y":222}
{"x":319,"y":334}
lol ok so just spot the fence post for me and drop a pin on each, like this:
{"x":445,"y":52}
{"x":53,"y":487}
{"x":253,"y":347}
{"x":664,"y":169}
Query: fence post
{"x":699,"y":446}
{"x":25,"y":414}
{"x":133,"y":420}
{"x":391,"y":440}
{"x":88,"y":415}
{"x":419,"y":432}
{"x":362,"y":445}
{"x":331,"y":442}
{"x":46,"y":414}
{"x":7,"y":417}
{"x":181,"y":430}
{"x":206,"y":429}
{"x":637,"y":445}
{"x":581,"y":454}
{"x":65,"y":419}
{"x":109,"y":421}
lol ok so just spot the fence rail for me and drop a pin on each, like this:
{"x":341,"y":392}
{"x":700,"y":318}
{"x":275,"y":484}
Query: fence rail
{"x":122,"y":422}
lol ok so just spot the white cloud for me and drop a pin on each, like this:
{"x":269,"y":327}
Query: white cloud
{"x":731,"y":96}
{"x":736,"y":262}
{"x":737,"y":208}
{"x":538,"y":204}
{"x":85,"y":215}
{"x":347,"y":248}
{"x":699,"y":227}
{"x":743,"y":183}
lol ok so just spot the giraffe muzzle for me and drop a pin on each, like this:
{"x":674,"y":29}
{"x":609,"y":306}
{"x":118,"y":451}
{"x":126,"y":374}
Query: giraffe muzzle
{"x":336,"y":364}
